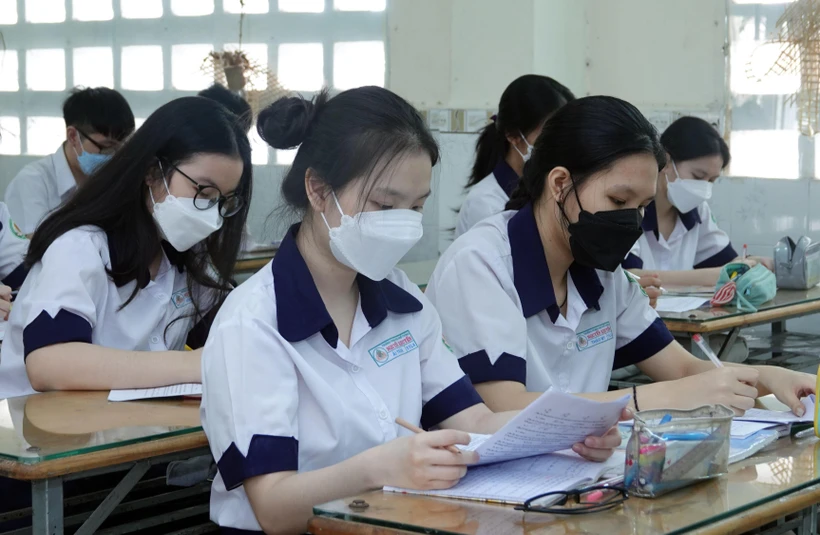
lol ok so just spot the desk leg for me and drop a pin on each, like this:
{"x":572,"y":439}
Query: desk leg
{"x":778,"y":328}
{"x":47,"y":506}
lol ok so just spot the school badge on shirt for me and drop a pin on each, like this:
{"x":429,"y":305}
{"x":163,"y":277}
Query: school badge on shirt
{"x":595,"y":336}
{"x":17,"y":231}
{"x":393,"y":348}
{"x":182,"y":298}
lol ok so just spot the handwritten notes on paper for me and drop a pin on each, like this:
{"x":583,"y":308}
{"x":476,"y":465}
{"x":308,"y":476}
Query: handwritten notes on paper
{"x":553,"y":422}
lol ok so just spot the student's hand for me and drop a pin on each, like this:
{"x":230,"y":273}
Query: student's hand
{"x":788,"y":386}
{"x":421,"y":461}
{"x":765,"y":260}
{"x":5,"y":301}
{"x":733,"y":386}
{"x":651,"y":284}
{"x":600,"y":449}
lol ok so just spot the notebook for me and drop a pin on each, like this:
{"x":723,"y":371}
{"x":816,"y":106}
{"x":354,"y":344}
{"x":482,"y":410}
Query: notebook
{"x":514,"y":482}
{"x":172,"y":391}
{"x":781,"y":417}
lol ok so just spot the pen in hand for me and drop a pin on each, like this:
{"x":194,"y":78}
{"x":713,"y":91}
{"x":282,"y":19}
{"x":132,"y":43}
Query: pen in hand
{"x":410,"y":427}
{"x":698,"y":339}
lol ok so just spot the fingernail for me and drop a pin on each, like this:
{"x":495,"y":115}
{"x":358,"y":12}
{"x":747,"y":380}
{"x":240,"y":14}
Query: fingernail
{"x":800,"y":411}
{"x":589,"y":442}
{"x":577,"y":448}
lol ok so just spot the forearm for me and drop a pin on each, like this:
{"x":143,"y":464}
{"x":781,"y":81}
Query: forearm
{"x":690,"y":277}
{"x":81,"y":366}
{"x":500,"y":401}
{"x":478,"y":419}
{"x":284,"y":505}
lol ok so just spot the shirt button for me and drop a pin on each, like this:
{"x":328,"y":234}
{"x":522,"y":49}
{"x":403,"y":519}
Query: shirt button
{"x":355,"y":369}
{"x":383,"y":414}
{"x":162,"y":297}
{"x":155,"y":339}
{"x":570,"y":345}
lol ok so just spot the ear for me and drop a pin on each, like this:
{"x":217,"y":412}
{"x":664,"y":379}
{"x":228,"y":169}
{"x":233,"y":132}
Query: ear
{"x":73,"y":136}
{"x":317,"y":191}
{"x":514,"y":139}
{"x":559,"y":182}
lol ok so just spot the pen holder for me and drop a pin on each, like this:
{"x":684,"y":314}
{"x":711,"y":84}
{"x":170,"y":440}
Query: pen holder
{"x":670,"y":449}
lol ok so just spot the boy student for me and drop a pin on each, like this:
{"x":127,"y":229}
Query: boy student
{"x":97,"y":122}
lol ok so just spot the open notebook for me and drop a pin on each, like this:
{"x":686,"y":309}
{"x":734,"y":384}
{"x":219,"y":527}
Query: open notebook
{"x":514,"y":482}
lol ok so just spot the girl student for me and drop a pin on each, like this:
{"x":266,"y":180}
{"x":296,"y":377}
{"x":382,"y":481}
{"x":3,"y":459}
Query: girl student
{"x":681,"y":244}
{"x":122,"y":272}
{"x":534,"y":298}
{"x":311,"y":360}
{"x":505,"y":145}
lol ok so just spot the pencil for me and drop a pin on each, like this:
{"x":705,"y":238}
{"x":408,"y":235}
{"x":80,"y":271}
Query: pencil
{"x":410,"y":427}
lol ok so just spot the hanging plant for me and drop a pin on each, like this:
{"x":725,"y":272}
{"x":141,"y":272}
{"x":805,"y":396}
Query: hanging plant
{"x":236,"y":66}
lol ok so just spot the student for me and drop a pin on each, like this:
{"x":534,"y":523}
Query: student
{"x":310,"y":361}
{"x":505,"y":145}
{"x":234,"y":102}
{"x":681,"y":244}
{"x":142,"y":252}
{"x":97,"y":121}
{"x":534,"y":298}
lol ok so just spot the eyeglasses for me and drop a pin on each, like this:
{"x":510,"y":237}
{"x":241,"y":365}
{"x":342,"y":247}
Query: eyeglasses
{"x":109,"y":150}
{"x":577,"y":502}
{"x":209,"y":196}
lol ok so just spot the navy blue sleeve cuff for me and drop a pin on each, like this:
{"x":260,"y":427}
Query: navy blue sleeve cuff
{"x":649,"y":343}
{"x":267,"y":454}
{"x":720,"y":259}
{"x":452,"y":400}
{"x":508,"y":367}
{"x":15,"y":279}
{"x":632,"y":262}
{"x":62,"y":328}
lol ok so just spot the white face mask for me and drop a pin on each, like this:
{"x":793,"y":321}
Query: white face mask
{"x":686,"y":194}
{"x":181,"y":223}
{"x":525,"y":157}
{"x":372,"y":243}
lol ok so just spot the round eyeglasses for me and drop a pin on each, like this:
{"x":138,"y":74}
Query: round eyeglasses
{"x":209,"y":196}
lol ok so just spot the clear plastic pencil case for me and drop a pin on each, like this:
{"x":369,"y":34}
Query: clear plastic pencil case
{"x":670,"y":449}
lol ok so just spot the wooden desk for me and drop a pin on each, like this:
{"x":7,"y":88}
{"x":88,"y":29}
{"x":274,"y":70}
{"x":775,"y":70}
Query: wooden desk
{"x":250,"y":264}
{"x":779,"y":481}
{"x":52,"y":437}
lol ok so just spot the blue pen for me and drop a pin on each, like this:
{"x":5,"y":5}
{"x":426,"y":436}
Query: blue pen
{"x":691,"y":437}
{"x":666,"y":419}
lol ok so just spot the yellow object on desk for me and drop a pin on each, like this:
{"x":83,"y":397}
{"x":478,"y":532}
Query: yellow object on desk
{"x":188,"y":348}
{"x":817,"y":404}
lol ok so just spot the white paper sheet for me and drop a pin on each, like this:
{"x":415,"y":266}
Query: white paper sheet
{"x":744,"y":429}
{"x":679,"y":304}
{"x":187,"y":389}
{"x":780,"y":417}
{"x":554,"y":422}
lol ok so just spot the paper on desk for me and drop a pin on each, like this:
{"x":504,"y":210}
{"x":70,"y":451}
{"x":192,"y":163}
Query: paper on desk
{"x":744,"y":429}
{"x":781,"y":417}
{"x":172,"y":391}
{"x":553,"y":422}
{"x":679,"y":304}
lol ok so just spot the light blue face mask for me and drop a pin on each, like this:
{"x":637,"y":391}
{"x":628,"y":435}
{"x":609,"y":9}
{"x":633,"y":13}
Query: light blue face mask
{"x":90,"y":162}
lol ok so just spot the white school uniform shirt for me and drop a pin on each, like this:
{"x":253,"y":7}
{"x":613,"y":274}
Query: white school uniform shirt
{"x":487,"y":198}
{"x":39,"y":188}
{"x":493,"y":290}
{"x":13,"y":248}
{"x":696,"y":242}
{"x":69,"y":297}
{"x":281,"y":392}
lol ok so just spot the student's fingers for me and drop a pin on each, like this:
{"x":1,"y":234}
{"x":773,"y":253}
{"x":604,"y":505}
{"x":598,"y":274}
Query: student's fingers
{"x":592,"y":454}
{"x":441,"y":485}
{"x":745,"y":374}
{"x":611,"y":439}
{"x":5,"y":306}
{"x":626,"y":414}
{"x":5,"y":293}
{"x":445,"y":437}
{"x":653,"y":293}
{"x":743,"y":389}
{"x":444,"y":457}
{"x":648,"y":281}
{"x":445,"y":473}
{"x":741,"y":404}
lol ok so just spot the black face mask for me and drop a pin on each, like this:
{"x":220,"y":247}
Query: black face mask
{"x":603,"y":239}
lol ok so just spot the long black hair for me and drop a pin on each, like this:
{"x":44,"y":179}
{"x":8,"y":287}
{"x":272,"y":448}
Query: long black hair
{"x":586,"y":136}
{"x":524,"y":105}
{"x":689,"y":138}
{"x":357,"y":133}
{"x":115,"y":198}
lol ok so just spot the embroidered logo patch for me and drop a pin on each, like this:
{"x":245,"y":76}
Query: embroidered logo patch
{"x":450,"y":349}
{"x":393,"y":348}
{"x":594,"y":336}
{"x":181,"y":298}
{"x":17,"y":231}
{"x":631,"y":278}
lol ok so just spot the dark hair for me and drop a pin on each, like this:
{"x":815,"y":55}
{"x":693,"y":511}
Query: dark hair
{"x":114,"y":198}
{"x":234,"y":102}
{"x":689,"y":138}
{"x":357,"y":133}
{"x":526,"y":103}
{"x":101,"y":110}
{"x":586,"y":136}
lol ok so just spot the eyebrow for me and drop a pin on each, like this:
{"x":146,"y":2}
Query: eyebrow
{"x":395,"y":193}
{"x":626,"y":190}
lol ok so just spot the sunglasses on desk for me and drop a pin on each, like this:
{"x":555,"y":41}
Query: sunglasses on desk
{"x":576,"y":502}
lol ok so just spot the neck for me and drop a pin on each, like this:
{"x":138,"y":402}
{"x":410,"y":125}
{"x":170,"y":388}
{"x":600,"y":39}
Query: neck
{"x":333,"y":279}
{"x":663,"y":207}
{"x":553,"y":239}
{"x":515,"y":161}
{"x":73,"y":165}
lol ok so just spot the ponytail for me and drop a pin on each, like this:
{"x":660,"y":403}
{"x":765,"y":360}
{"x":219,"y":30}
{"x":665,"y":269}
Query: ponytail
{"x":491,"y":147}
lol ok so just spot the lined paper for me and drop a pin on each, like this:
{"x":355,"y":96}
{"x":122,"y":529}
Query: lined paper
{"x":172,"y":391}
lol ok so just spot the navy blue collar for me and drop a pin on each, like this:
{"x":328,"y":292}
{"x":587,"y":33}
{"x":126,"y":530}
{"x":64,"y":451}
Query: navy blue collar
{"x":650,"y":219}
{"x":531,"y":275}
{"x":301,"y":313}
{"x":506,"y":177}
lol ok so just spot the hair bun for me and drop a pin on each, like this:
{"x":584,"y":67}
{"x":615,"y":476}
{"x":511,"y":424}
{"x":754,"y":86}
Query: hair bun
{"x":286,"y":123}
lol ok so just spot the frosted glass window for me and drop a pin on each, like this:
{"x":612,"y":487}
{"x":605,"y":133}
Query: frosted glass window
{"x":358,"y":63}
{"x":192,"y":8}
{"x":10,"y":135}
{"x":186,"y":67}
{"x":8,"y":11}
{"x":45,"y":69}
{"x":142,"y":68}
{"x":765,"y":153}
{"x":141,"y":9}
{"x":44,"y":135}
{"x":302,"y":6}
{"x":92,"y":10}
{"x":251,"y":6}
{"x":359,"y":5}
{"x":138,"y":122}
{"x":45,"y":11}
{"x":301,"y":66}
{"x":94,"y":66}
{"x":285,"y":157}
{"x":9,"y":71}
{"x":257,"y":54}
